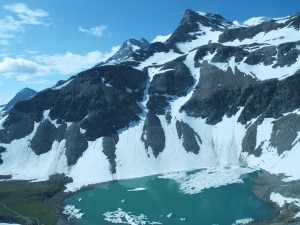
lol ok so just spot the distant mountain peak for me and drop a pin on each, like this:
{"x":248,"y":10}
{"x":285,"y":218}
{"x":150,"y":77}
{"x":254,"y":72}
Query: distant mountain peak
{"x":27,"y":91}
{"x":22,"y":95}
{"x":128,"y":47}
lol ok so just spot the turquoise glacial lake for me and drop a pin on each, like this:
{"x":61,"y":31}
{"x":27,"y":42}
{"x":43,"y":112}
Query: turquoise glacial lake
{"x":152,"y":200}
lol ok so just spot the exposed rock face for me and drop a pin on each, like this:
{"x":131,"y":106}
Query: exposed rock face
{"x":18,"y":125}
{"x":175,"y":81}
{"x":288,"y":54}
{"x":285,"y":132}
{"x":93,"y":99}
{"x":158,"y":104}
{"x":248,"y":33}
{"x":218,"y":93}
{"x":273,"y":98}
{"x":249,"y":140}
{"x":263,"y":55}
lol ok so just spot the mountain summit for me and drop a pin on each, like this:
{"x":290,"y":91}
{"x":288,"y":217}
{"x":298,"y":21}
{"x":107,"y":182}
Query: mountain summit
{"x":194,"y":25}
{"x":213,"y":94}
{"x":128,"y":47}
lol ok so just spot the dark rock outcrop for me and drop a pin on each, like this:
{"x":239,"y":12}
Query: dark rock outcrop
{"x":93,"y":99}
{"x":218,"y":93}
{"x":175,"y":81}
{"x":284,"y":133}
{"x":76,"y":144}
{"x":190,"y":138}
{"x":287,"y":54}
{"x":272,"y":99}
{"x":265,"y":55}
{"x":249,"y":140}
{"x":2,"y":149}
{"x":153,"y":134}
{"x":248,"y":32}
{"x":109,"y":149}
{"x":158,"y":104}
{"x":17,"y":125}
{"x":43,"y":138}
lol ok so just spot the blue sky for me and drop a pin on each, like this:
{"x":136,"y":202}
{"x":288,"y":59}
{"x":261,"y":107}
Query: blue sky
{"x":43,"y":41}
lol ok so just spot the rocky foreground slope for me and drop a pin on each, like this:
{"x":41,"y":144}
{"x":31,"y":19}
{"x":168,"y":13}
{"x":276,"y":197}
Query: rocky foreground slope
{"x":215,"y":93}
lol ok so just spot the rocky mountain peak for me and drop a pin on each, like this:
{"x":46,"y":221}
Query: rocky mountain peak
{"x":193,"y":21}
{"x":128,"y":47}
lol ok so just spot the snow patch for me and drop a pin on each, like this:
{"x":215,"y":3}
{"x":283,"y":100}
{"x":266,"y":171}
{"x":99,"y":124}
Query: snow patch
{"x":121,"y":217}
{"x":287,"y":163}
{"x":280,"y":200}
{"x":161,"y":38}
{"x":243,"y":221}
{"x":195,"y":183}
{"x":9,"y":224}
{"x":2,"y":120}
{"x":263,"y":72}
{"x":18,"y":160}
{"x":62,"y":86}
{"x":256,"y":20}
{"x":72,"y":212}
{"x":169,"y":215}
{"x":98,"y":168}
{"x":201,"y":13}
{"x":274,"y":37}
{"x":137,"y":189}
{"x":158,"y":58}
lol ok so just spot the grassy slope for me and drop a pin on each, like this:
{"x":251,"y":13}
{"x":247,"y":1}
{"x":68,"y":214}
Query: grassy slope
{"x":31,"y":199}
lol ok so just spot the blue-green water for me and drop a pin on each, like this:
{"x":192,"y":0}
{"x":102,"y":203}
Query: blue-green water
{"x":162,"y":203}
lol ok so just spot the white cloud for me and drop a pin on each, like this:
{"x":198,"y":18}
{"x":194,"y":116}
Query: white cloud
{"x":98,"y":31}
{"x":32,"y":52}
{"x":23,"y":78}
{"x":40,"y":81}
{"x":70,"y":63}
{"x":24,"y":70}
{"x":21,"y":67}
{"x":22,"y":16}
{"x":27,"y":15}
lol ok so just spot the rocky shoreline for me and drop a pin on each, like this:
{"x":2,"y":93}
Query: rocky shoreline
{"x":265,"y":185}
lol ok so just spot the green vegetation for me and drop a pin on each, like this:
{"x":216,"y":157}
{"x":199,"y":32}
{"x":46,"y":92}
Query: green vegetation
{"x":31,"y":202}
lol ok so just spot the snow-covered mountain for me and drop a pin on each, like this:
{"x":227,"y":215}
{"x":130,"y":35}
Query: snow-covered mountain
{"x":215,"y":93}
{"x":24,"y":94}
